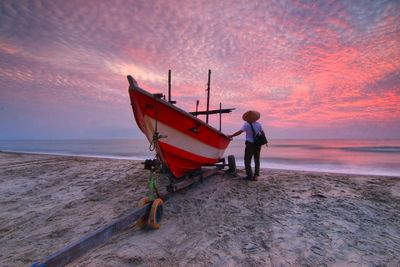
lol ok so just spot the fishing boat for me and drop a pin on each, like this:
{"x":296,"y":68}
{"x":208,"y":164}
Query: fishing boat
{"x":182,"y":141}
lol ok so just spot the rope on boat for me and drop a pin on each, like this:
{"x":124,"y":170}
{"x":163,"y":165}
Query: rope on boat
{"x":153,"y":142}
{"x":156,"y":135}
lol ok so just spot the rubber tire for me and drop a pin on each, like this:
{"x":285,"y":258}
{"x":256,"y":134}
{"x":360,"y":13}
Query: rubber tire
{"x":155,"y":214}
{"x":142,"y":222}
{"x":231,"y":164}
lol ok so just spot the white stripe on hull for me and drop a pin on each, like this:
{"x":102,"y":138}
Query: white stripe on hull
{"x":182,"y":141}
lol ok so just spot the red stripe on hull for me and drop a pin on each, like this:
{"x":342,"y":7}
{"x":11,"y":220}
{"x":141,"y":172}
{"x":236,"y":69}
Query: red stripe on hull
{"x":180,"y":161}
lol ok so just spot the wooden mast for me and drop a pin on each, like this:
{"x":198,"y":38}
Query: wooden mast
{"x":208,"y":94}
{"x":208,"y":111}
{"x":220,"y":116}
{"x":169,"y":88}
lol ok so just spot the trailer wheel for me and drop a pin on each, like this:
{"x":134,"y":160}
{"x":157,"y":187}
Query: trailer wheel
{"x":156,"y":213}
{"x":142,"y":222}
{"x":231,"y":164}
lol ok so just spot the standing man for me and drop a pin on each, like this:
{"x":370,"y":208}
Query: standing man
{"x":252,"y":128}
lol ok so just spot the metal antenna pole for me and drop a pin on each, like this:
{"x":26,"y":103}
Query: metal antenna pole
{"x":220,"y":115}
{"x":169,"y":89}
{"x":169,"y":86}
{"x":208,"y":94}
{"x":197,"y":106}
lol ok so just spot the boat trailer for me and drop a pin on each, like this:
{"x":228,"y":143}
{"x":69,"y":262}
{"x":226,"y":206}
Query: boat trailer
{"x":147,"y":215}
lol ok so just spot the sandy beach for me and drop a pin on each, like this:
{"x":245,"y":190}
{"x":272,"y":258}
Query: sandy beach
{"x":287,"y":218}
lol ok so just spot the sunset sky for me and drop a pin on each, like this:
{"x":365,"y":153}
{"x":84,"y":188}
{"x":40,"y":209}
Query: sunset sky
{"x":314,"y":69}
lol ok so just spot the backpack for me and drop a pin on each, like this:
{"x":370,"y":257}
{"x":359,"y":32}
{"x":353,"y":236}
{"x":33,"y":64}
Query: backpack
{"x":259,"y":139}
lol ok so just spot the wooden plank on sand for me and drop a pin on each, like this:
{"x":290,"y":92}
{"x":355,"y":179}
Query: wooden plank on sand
{"x":89,"y":242}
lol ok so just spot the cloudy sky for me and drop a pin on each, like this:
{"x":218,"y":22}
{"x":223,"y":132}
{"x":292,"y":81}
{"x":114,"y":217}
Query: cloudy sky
{"x":314,"y":69}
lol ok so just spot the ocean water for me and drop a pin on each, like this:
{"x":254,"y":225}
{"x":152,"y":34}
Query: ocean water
{"x":376,"y":157}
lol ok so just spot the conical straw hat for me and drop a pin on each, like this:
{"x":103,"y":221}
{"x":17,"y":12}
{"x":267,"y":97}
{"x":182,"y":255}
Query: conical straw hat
{"x":251,"y":116}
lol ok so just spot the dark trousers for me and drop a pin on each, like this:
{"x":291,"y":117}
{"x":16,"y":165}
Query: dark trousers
{"x":250,"y":151}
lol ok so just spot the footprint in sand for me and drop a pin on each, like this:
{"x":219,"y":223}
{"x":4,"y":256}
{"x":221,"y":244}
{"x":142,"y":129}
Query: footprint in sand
{"x":250,"y":248}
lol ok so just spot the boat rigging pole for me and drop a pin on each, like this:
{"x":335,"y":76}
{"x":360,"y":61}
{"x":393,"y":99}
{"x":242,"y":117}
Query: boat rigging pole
{"x":197,"y":106}
{"x":208,"y":94}
{"x":169,"y":88}
{"x":220,"y":116}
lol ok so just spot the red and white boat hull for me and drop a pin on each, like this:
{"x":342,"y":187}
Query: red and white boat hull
{"x":187,"y":143}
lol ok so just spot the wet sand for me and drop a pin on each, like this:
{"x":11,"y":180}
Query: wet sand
{"x":287,"y":218}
